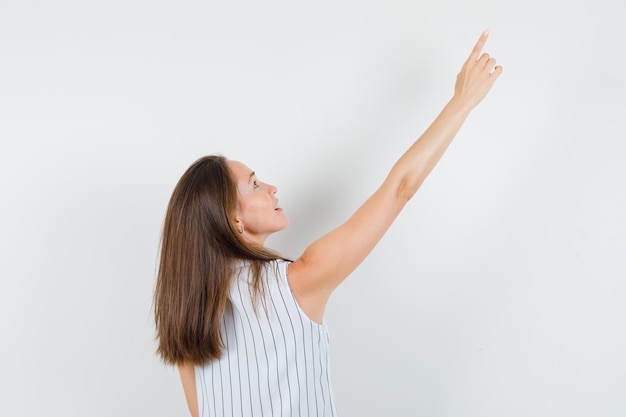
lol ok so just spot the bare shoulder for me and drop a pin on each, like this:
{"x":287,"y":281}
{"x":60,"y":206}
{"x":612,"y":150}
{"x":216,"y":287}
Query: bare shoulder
{"x":312,"y":303}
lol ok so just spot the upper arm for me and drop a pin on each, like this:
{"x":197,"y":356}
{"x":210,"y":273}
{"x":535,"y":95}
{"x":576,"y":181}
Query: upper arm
{"x":188,"y":378}
{"x":330,"y":259}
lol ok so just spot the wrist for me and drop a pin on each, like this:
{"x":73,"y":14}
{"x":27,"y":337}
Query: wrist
{"x":459,"y":105}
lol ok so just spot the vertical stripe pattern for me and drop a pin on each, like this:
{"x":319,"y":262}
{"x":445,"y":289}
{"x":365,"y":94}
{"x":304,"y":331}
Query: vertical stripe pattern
{"x":276,"y":359}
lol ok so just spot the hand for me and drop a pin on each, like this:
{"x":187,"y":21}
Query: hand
{"x":477,"y":76}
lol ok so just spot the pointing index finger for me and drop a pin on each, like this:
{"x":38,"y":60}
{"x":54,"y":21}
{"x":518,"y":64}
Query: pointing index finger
{"x":479,"y":46}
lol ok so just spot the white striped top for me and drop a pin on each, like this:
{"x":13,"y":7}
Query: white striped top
{"x":276,"y":361}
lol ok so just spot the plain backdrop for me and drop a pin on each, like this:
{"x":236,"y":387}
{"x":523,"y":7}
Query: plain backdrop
{"x":500,"y":289}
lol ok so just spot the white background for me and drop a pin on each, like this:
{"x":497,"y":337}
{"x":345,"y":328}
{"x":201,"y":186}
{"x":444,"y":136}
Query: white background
{"x":500,"y":289}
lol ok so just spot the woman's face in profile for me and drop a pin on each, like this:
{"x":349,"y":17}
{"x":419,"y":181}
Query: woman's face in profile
{"x":257,"y":206}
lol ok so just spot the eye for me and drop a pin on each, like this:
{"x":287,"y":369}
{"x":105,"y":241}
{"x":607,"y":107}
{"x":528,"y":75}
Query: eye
{"x":255,"y":185}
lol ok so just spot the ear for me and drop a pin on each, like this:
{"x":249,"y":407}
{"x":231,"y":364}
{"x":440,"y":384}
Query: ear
{"x":238,"y":217}
{"x":238,"y":224}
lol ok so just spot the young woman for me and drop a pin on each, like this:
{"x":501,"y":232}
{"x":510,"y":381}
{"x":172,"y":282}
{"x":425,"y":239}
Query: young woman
{"x":244,"y":325}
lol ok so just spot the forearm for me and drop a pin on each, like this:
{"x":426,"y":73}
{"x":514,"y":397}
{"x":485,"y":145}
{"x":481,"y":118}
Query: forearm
{"x":410,"y":171}
{"x":477,"y":76}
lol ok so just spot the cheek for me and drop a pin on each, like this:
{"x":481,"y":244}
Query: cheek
{"x":253,"y":209}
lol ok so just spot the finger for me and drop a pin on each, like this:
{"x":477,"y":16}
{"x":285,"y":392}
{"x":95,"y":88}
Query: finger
{"x":490,"y":64}
{"x":479,"y":46}
{"x":484,"y":58}
{"x":497,"y":71}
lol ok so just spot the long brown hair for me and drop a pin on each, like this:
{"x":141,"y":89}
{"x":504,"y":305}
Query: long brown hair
{"x":199,"y":248}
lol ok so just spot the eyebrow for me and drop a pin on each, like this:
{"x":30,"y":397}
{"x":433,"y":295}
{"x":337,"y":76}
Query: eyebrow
{"x":252,"y":174}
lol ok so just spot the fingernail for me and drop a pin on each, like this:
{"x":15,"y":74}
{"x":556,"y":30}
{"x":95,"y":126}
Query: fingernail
{"x":486,"y":32}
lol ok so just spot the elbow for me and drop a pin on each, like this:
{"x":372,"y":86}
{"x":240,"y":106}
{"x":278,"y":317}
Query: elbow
{"x":407,"y":180}
{"x":406,"y":189}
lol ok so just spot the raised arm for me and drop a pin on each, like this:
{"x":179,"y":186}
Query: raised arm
{"x":330,"y":259}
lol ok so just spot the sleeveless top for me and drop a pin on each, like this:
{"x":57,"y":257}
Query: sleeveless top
{"x":276,"y":359}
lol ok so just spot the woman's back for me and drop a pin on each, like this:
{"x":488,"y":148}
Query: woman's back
{"x":275,"y":361}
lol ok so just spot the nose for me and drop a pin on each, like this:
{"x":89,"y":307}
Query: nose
{"x":272,"y":189}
